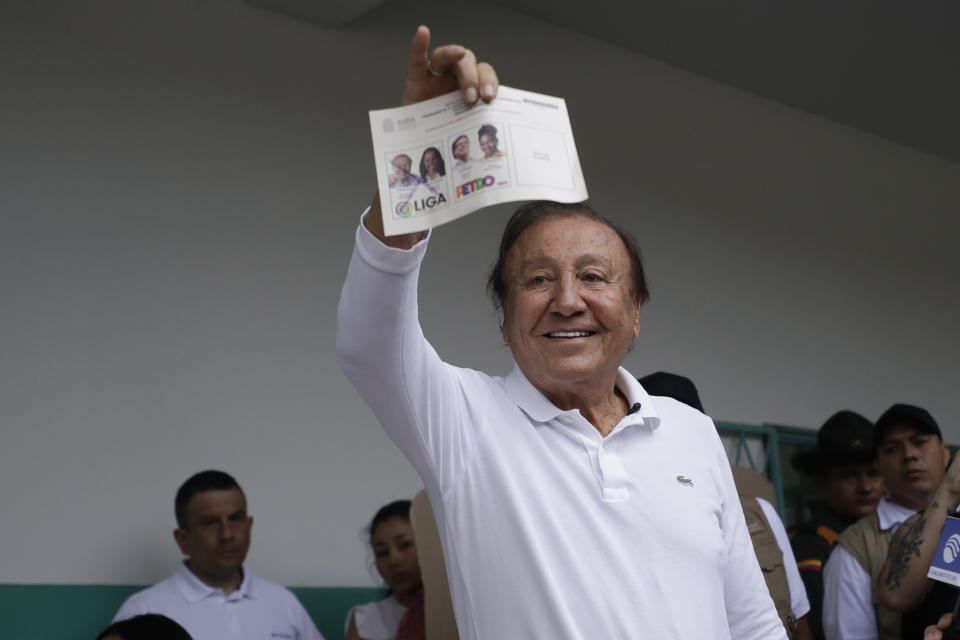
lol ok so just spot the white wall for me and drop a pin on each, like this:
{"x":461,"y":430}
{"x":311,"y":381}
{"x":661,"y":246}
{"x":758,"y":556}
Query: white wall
{"x":181,"y":180}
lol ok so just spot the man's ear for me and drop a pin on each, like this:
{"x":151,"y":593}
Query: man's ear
{"x":636,"y":322}
{"x":181,"y":538}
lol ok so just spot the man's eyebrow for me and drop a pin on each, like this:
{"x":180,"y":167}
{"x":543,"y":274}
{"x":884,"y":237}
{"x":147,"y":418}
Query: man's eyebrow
{"x":592,"y":258}
{"x":534,"y":263}
{"x":546,"y":261}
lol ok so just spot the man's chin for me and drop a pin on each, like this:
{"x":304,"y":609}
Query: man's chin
{"x":227,"y":572}
{"x":921,"y":484}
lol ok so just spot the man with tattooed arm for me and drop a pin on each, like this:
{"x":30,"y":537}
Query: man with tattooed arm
{"x":912,"y":459}
{"x":904,"y":585}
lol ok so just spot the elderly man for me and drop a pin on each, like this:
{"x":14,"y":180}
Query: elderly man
{"x":912,"y":459}
{"x":213,"y":594}
{"x":848,"y":487}
{"x":402,"y":177}
{"x":570,"y":503}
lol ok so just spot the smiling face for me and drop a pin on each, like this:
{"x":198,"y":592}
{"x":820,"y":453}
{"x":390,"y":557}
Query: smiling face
{"x":217,"y":535}
{"x":401,"y":167}
{"x":912,"y":463}
{"x":488,"y":144}
{"x":431,"y":161}
{"x":461,"y":148}
{"x":396,"y":556}
{"x":570,"y":314}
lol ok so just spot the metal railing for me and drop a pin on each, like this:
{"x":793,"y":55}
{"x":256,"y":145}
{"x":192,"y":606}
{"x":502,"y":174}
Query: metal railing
{"x":758,"y":447}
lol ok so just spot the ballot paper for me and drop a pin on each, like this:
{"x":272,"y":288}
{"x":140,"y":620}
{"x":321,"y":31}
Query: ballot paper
{"x":441,"y":159}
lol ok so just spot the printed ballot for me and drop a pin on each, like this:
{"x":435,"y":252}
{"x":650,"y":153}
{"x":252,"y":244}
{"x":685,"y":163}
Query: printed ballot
{"x":946,"y":562}
{"x":440,"y":159}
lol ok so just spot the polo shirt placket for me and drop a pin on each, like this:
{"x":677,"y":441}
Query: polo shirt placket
{"x":227,"y":607}
{"x":603,"y":452}
{"x":231,"y":611}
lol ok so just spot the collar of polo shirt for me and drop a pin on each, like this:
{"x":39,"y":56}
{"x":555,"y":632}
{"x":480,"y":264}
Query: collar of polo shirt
{"x":194,"y":590}
{"x":539,"y":408}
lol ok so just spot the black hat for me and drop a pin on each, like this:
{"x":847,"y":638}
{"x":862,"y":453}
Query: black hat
{"x":908,"y":415}
{"x":673,"y":386}
{"x":845,"y":438}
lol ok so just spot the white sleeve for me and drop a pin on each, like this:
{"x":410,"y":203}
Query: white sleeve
{"x":426,"y":406}
{"x":847,"y":605}
{"x":751,"y":614}
{"x":798,"y":593}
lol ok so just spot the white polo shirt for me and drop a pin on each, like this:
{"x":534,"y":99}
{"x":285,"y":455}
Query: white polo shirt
{"x":550,"y":530}
{"x":257,"y":610}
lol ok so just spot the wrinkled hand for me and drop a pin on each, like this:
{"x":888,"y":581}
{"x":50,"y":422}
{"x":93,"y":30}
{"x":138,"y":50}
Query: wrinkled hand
{"x":933,"y":632}
{"x":458,"y":69}
{"x":454,"y":67}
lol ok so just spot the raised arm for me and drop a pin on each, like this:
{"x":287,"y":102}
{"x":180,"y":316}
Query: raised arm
{"x":418,"y":399}
{"x":448,"y":68}
{"x":903,"y":580}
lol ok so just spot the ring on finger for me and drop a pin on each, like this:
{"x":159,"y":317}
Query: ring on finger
{"x":431,"y":70}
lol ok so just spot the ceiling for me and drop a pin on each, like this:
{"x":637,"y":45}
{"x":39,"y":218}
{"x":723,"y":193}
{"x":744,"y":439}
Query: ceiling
{"x":884,"y":66}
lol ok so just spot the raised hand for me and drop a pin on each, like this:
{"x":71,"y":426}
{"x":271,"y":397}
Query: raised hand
{"x":448,"y":68}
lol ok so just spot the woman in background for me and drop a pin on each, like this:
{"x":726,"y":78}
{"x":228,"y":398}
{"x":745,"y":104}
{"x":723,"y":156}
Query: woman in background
{"x":400,"y":615}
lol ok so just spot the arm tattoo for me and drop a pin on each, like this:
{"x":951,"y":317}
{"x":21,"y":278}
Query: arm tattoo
{"x":905,"y":544}
{"x":936,"y":505}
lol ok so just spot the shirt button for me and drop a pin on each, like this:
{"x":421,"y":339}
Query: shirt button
{"x":567,"y":419}
{"x":603,"y":450}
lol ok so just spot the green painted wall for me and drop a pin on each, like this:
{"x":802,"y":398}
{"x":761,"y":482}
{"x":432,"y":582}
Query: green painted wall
{"x":80,"y":612}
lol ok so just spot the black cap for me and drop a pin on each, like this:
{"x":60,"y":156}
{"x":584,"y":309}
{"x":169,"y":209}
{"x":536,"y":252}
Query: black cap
{"x":673,"y":386}
{"x":845,"y":438}
{"x":905,"y":415}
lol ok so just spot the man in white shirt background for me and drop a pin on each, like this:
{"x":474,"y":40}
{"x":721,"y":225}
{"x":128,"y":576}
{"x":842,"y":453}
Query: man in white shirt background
{"x":213,"y":595}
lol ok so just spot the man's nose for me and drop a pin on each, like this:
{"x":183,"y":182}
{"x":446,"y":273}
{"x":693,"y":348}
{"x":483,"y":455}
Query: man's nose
{"x":226,"y":531}
{"x":566,"y":297}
